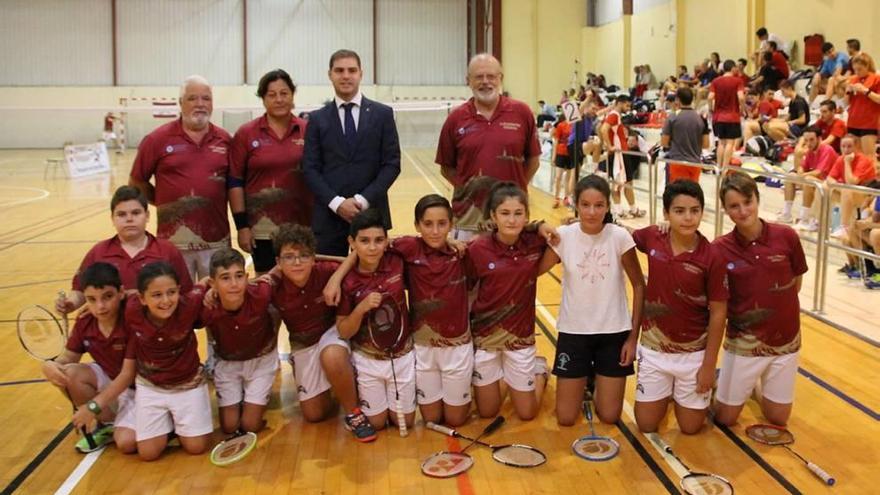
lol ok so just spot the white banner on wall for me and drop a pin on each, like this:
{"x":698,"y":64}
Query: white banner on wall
{"x":86,"y":159}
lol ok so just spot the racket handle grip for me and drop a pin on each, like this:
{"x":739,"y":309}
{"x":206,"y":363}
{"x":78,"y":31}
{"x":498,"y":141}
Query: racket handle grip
{"x":441,"y":429}
{"x":494,"y":425}
{"x":819,"y":472}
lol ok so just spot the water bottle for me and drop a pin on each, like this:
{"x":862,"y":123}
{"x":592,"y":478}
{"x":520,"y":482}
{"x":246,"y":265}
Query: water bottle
{"x":835,"y":218}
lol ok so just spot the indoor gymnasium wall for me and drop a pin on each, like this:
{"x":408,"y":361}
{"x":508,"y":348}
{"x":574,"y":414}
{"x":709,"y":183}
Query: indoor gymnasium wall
{"x":714,"y":26}
{"x":607,"y":48}
{"x":653,"y":38}
{"x":559,"y":45}
{"x":837,"y":20}
{"x":520,"y":41}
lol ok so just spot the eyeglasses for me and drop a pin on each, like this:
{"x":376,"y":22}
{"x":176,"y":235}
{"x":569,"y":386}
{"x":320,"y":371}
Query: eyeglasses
{"x":297,"y":258}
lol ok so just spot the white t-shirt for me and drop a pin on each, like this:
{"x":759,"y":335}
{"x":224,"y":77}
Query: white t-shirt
{"x":593,"y":284}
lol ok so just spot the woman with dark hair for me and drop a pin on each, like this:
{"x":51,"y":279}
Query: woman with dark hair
{"x":266,"y":184}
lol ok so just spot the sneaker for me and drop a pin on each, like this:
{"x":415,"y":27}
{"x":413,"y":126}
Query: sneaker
{"x":873,"y":282}
{"x":102,"y":436}
{"x":783,"y":218}
{"x":854,"y":273}
{"x":637,"y":213}
{"x":811,"y":225}
{"x":839,"y":232}
{"x":360,"y":426}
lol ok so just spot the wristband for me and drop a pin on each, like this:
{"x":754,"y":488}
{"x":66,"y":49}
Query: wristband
{"x":241,"y":220}
{"x":93,"y":407}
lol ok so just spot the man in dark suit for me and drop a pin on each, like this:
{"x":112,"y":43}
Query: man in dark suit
{"x":351,"y":157}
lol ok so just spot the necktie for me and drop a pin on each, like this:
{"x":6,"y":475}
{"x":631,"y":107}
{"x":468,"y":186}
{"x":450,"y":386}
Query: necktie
{"x":350,"y":130}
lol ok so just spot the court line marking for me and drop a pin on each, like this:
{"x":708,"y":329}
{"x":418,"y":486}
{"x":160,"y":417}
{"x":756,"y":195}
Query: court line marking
{"x":23,"y":382}
{"x":36,"y":461}
{"x":661,"y":476}
{"x":16,"y":202}
{"x":81,"y":469}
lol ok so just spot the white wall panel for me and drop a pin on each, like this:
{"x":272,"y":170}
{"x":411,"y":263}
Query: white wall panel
{"x":421,"y":43}
{"x":160,"y":43}
{"x":55,"y":42}
{"x":608,"y":11}
{"x":300,"y":35}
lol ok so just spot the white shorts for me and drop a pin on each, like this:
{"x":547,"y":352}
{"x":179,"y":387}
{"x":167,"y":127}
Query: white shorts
{"x":107,"y":136}
{"x":198,"y":262}
{"x":662,"y":374}
{"x":444,"y":373}
{"x":376,"y":384}
{"x":311,"y":380}
{"x":124,"y":405}
{"x":249,"y":381}
{"x":740,"y":374}
{"x":516,"y":367}
{"x":159,"y":412}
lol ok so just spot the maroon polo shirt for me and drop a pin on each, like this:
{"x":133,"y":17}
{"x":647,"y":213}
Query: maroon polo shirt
{"x":503,"y":314}
{"x":726,"y":99}
{"x":483,"y":152}
{"x":167,"y":357}
{"x":110,"y":251}
{"x":246,"y":333}
{"x":387,"y":279}
{"x":302,"y":308}
{"x":190,"y":184}
{"x":763,"y":312}
{"x":676,"y":316}
{"x":107,"y":351}
{"x":271,"y":167}
{"x":438,"y":292}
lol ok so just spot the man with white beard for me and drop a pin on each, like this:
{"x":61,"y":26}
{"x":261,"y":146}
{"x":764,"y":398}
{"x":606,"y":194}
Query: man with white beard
{"x":188,"y":160}
{"x":490,"y":138}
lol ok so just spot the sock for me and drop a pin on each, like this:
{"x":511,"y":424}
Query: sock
{"x":805,"y":213}
{"x":786,"y":210}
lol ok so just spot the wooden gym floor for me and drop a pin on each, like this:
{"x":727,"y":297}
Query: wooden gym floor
{"x":48,"y":224}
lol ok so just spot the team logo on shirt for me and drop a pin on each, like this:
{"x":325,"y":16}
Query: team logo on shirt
{"x":777,"y":258}
{"x":420,"y":393}
{"x":169,"y":149}
{"x":364,"y":404}
{"x":731,"y":266}
{"x":218,"y":149}
{"x":510,"y":126}
{"x":255,"y":143}
{"x":562,"y":360}
{"x":491,"y":266}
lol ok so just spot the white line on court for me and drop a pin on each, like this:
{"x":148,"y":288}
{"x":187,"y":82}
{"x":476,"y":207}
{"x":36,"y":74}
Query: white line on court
{"x":43,"y":194}
{"x":84,"y":465}
{"x":542,"y":309}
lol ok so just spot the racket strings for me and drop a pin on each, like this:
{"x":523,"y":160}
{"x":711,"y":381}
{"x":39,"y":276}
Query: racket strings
{"x":519,"y":455}
{"x":596,"y":448}
{"x":770,"y":435}
{"x":706,"y":484}
{"x":447,"y":464}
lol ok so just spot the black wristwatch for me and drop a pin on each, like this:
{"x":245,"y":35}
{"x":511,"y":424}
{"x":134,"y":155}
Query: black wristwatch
{"x":93,"y":407}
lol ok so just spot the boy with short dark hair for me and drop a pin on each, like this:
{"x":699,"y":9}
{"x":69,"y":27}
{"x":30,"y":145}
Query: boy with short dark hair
{"x":244,"y":339}
{"x":685,"y":310}
{"x":377,"y":281}
{"x":129,"y":250}
{"x":100,"y":389}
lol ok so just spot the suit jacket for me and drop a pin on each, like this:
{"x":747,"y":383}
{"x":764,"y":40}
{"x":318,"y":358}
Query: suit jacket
{"x":332,"y":167}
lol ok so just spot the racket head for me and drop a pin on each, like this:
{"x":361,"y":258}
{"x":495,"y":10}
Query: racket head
{"x":40,"y":333}
{"x":445,"y":464}
{"x":233,"y":449}
{"x":595,"y":448}
{"x":705,"y":484}
{"x":770,"y":434}
{"x":385,"y":324}
{"x":516,"y":455}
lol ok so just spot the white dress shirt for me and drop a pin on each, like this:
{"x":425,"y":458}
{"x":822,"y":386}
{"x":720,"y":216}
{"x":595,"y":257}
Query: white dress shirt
{"x":356,"y":115}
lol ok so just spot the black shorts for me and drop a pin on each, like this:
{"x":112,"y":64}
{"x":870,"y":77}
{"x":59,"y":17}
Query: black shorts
{"x":579,"y":356}
{"x":861,"y":132}
{"x":263,"y":255}
{"x":727,"y":130}
{"x":631,"y":164}
{"x":564,"y":161}
{"x":795,"y":130}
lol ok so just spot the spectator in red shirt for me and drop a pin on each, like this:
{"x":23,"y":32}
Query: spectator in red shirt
{"x":766,"y":109}
{"x":780,"y":62}
{"x":831,"y":129}
{"x":863,"y":95}
{"x":852,"y":167}
{"x":726,"y":99}
{"x":562,"y":161}
{"x":189,"y":162}
{"x":797,"y":119}
{"x":812,"y":159}
{"x":266,"y":183}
